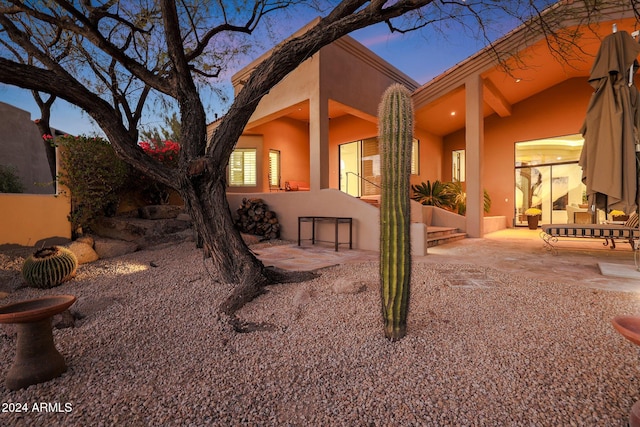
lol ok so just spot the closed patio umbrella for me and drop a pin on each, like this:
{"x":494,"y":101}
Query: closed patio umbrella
{"x":610,"y":129}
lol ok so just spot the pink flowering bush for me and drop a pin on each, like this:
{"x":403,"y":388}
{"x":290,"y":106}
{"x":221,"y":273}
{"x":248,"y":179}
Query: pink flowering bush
{"x":166,"y":152}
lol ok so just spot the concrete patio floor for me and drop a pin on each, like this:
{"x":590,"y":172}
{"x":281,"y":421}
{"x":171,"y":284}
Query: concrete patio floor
{"x":518,"y":251}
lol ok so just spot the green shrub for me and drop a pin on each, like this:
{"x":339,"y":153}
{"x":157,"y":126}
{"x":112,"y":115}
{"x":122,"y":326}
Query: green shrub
{"x":436,"y":194}
{"x":446,"y":195}
{"x":460,"y":199}
{"x":94,"y":174}
{"x":9,"y":180}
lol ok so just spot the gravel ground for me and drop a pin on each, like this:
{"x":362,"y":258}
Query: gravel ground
{"x":484,"y":348}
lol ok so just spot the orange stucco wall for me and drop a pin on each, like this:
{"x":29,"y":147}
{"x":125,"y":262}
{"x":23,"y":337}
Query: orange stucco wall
{"x":431,"y":157}
{"x":26,"y":219}
{"x":556,"y":111}
{"x":291,"y":138}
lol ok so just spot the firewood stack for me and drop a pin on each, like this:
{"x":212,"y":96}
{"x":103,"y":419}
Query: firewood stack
{"x":254,"y":217}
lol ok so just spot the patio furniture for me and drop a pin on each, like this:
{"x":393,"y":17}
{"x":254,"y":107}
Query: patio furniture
{"x":336,"y":220}
{"x":609,"y":232}
{"x":37,"y":359}
{"x":296,"y":186}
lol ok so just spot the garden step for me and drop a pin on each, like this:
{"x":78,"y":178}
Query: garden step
{"x":437,"y":236}
{"x":439,"y":241}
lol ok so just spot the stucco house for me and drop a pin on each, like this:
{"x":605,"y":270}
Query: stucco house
{"x":514,"y":133}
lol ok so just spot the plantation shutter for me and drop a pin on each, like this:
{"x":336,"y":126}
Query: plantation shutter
{"x":415,"y":157}
{"x":274,"y":168}
{"x":243,"y":167}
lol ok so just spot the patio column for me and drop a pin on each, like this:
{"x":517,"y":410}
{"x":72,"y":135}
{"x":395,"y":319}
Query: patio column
{"x":318,"y":141}
{"x":474,"y":155}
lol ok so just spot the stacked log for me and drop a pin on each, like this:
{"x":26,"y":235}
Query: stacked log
{"x":254,"y":217}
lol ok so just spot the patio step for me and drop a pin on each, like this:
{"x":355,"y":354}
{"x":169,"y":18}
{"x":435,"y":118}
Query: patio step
{"x":437,"y":236}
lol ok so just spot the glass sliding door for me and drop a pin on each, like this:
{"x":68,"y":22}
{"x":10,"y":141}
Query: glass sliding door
{"x":370,"y":167}
{"x":350,"y":168}
{"x":548,"y":177}
{"x":360,"y":166}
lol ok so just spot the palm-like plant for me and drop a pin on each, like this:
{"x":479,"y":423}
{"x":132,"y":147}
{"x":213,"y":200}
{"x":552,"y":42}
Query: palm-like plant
{"x":434,"y":194}
{"x":460,"y":198}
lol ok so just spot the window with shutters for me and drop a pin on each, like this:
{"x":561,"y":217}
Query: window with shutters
{"x":458,"y":165}
{"x":243,"y":167}
{"x":274,"y":168}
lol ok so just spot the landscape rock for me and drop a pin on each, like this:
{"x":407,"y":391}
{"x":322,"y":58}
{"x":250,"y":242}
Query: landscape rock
{"x":138,"y":230}
{"x":343,"y":285}
{"x":86,"y":239}
{"x":159,"y":211}
{"x":110,"y":248}
{"x":51,"y":241}
{"x":83,"y":252}
{"x":129,"y":229}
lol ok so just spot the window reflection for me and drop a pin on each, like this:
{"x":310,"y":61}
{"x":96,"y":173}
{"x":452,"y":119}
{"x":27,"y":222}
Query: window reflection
{"x":548,"y":177}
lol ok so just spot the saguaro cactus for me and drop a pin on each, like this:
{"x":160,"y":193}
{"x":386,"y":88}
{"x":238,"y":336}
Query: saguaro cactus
{"x":395,"y":138}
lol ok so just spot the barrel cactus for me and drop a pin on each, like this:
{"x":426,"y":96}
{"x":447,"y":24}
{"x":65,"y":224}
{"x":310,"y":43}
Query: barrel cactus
{"x":49,"y":267}
{"x":395,"y":138}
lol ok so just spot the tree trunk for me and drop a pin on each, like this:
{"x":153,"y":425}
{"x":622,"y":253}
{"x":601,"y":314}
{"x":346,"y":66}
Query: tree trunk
{"x":49,"y":149}
{"x":206,"y":202}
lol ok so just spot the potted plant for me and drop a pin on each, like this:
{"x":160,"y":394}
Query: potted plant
{"x":617,"y":215}
{"x":533,"y":216}
{"x":585,"y":200}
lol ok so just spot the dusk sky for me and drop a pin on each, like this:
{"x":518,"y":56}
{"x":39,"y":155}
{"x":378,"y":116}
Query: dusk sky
{"x":421,"y":55}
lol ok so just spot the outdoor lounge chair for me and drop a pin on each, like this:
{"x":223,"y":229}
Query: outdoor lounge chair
{"x":609,"y":232}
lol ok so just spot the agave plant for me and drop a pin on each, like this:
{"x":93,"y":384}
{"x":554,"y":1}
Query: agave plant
{"x":434,"y":194}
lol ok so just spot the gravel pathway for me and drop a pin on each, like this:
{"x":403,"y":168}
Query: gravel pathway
{"x":484,"y":348}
